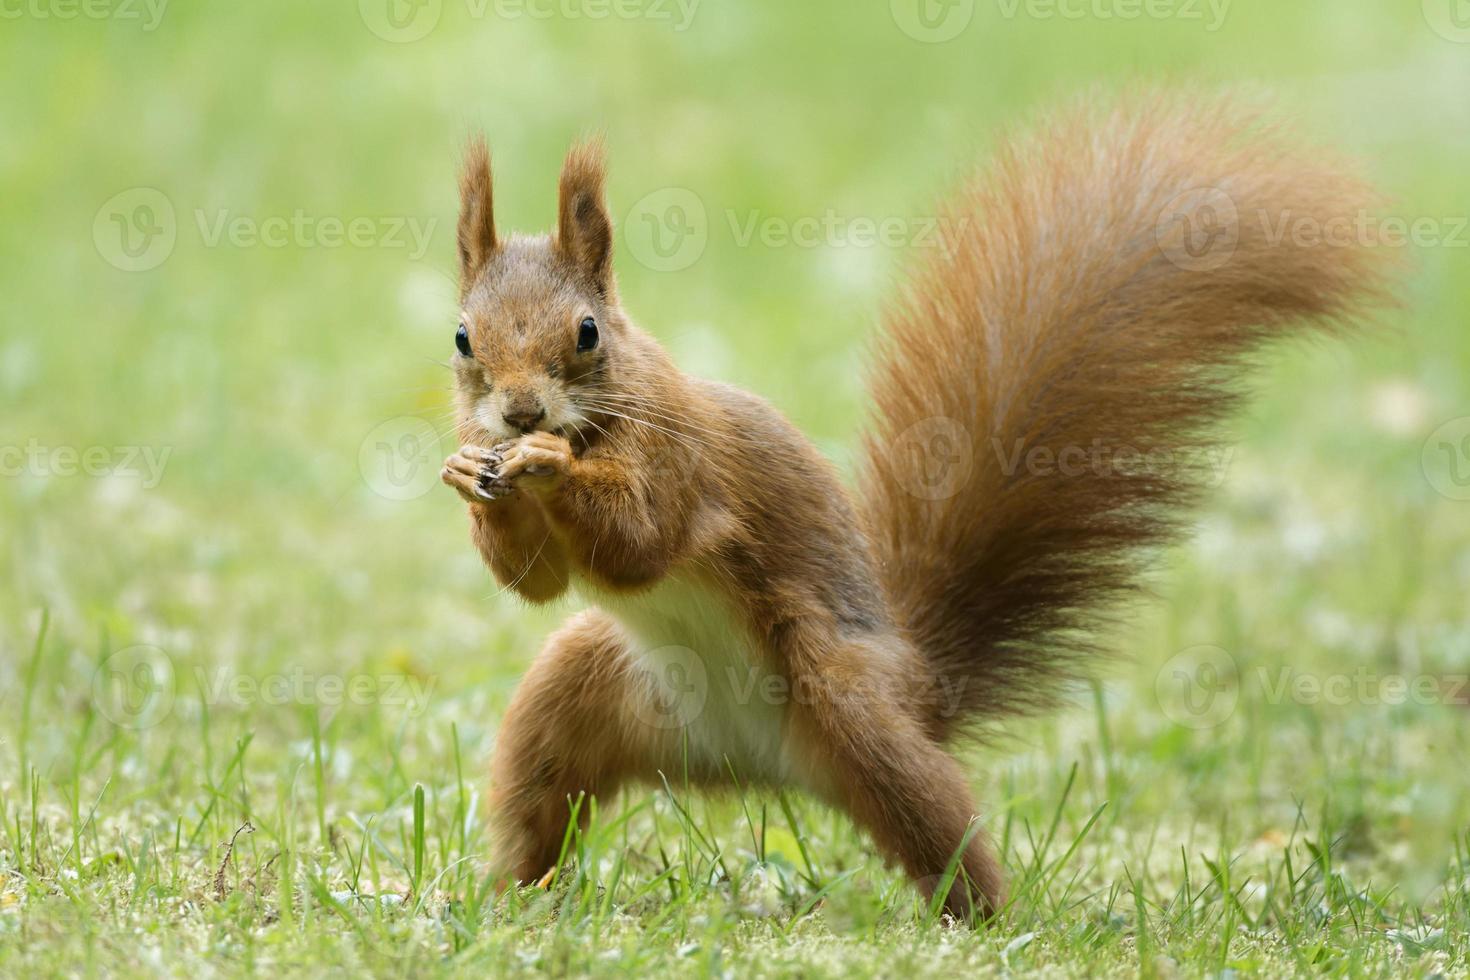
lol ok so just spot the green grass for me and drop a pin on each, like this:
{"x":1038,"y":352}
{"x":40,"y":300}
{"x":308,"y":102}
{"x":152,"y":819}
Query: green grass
{"x":245,"y":707}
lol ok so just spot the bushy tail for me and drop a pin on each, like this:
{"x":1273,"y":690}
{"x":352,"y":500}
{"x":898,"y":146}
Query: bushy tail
{"x":1049,"y":390}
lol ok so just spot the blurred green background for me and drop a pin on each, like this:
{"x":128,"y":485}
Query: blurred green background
{"x":263,"y":369}
{"x":292,"y":387}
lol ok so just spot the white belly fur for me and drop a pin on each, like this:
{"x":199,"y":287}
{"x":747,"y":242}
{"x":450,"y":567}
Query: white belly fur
{"x":707,"y":686}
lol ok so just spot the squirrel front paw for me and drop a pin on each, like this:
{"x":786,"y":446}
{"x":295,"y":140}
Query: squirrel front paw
{"x":474,"y":473}
{"x":536,"y":461}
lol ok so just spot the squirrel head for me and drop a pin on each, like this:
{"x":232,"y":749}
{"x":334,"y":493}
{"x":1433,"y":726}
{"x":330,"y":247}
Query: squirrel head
{"x":540,"y":331}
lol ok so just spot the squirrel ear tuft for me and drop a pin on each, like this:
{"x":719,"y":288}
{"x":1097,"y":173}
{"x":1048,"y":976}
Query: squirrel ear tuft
{"x":584,"y":229}
{"x":477,"y":240}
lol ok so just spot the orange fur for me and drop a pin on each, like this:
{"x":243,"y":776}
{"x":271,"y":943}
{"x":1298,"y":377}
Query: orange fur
{"x":749,"y":617}
{"x":1064,"y":315}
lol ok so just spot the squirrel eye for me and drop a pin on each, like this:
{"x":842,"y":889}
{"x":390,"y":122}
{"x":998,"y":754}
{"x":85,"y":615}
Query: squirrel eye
{"x":587,"y":336}
{"x":462,"y":340}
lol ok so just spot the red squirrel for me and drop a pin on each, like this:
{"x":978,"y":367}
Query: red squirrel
{"x":747,"y":618}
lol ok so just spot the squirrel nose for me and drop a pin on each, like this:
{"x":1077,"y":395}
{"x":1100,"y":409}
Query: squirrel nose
{"x":524,"y":419}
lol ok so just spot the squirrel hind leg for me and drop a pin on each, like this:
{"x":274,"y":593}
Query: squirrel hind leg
{"x":568,"y":735}
{"x":900,"y":786}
